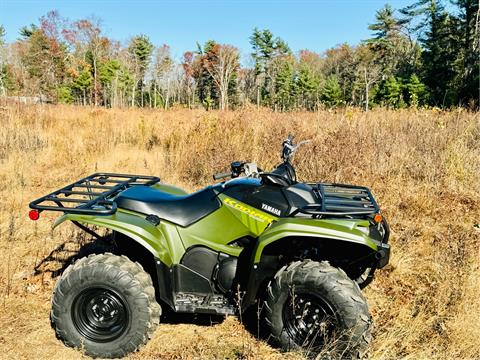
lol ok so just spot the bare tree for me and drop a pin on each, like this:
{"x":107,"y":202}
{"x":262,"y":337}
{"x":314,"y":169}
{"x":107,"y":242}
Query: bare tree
{"x":162,"y":69}
{"x":88,"y":39}
{"x":188,"y":79}
{"x":368,"y":70}
{"x":3,"y":60}
{"x":222,"y":65}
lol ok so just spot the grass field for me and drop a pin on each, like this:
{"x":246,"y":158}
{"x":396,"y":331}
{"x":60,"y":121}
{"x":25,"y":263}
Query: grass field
{"x":422,"y":166}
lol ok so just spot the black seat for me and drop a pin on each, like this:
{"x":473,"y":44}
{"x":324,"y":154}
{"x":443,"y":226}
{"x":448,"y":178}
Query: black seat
{"x":181,"y":210}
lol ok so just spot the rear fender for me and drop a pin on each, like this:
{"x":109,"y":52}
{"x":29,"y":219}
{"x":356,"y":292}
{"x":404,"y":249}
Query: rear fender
{"x":158,"y":240}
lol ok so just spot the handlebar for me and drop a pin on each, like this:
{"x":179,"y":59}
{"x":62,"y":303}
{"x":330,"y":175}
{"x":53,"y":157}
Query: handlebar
{"x":289,"y":147}
{"x":251,"y":169}
{"x":222,"y":175}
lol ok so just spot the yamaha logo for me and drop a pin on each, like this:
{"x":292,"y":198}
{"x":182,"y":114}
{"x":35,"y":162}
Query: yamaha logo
{"x":271,"y":209}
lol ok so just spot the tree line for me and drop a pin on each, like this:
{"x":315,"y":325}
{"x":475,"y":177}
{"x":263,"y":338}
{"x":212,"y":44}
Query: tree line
{"x":426,"y":54}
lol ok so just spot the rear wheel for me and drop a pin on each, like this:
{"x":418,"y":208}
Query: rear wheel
{"x":316,"y":307}
{"x":105,"y":305}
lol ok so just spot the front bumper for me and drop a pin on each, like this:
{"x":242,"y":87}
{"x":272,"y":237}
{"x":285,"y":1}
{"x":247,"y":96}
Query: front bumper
{"x":382,"y":255}
{"x":383,"y":252}
{"x":381,"y":234}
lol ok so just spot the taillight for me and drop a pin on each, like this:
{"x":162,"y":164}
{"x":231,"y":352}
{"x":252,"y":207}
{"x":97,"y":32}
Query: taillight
{"x":33,"y":214}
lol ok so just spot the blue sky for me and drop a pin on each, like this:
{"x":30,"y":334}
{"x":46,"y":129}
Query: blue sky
{"x":314,"y":25}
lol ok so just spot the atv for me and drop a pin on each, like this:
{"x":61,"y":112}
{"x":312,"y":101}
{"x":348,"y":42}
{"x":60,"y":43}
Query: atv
{"x":297,"y":253}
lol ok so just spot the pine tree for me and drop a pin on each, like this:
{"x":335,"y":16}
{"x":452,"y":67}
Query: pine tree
{"x":415,"y":91}
{"x":332,"y":93}
{"x":395,"y":52}
{"x":284,"y":83}
{"x":308,"y":87}
{"x":266,"y":48}
{"x":441,"y":38}
{"x":386,"y":25}
{"x":469,"y":56}
{"x":140,"y":49}
{"x":82,"y":84}
{"x":64,"y":95}
{"x":26,"y":32}
{"x":390,"y":93}
{"x":441,"y":47}
{"x":108,"y":76}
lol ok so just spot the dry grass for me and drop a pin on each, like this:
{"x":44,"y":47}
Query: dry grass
{"x":423,"y":166}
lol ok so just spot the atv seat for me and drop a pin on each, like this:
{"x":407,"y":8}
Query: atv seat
{"x":181,"y":210}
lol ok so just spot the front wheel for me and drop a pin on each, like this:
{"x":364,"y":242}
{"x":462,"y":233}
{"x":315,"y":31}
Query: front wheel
{"x":105,"y":305}
{"x":315,"y":307}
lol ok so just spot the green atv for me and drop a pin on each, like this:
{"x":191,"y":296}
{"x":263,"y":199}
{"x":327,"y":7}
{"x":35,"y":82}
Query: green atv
{"x":298,"y":253}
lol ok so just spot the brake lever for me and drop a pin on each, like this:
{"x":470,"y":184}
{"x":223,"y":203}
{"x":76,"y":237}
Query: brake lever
{"x":291,"y":147}
{"x":301,"y":143}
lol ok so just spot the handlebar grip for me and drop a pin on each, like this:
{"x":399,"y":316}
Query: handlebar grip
{"x":222,"y":175}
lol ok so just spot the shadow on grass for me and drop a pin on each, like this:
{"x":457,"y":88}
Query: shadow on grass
{"x":68,"y":252}
{"x":65,"y":254}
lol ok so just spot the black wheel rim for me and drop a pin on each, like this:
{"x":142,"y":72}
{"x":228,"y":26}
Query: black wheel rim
{"x":100,"y":314}
{"x":309,"y":320}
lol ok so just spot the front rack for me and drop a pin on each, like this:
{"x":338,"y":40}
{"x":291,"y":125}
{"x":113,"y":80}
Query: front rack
{"x":91,"y":195}
{"x":341,"y":200}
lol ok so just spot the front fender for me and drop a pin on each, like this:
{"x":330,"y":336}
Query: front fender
{"x":261,"y":269}
{"x":350,"y":231}
{"x":155,"y":239}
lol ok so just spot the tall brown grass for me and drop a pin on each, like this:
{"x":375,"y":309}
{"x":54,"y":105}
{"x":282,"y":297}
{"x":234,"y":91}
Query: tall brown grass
{"x":423,"y":167}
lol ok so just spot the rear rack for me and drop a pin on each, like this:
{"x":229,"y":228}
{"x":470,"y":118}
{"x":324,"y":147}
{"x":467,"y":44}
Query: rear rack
{"x":91,"y":195}
{"x":341,"y":200}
